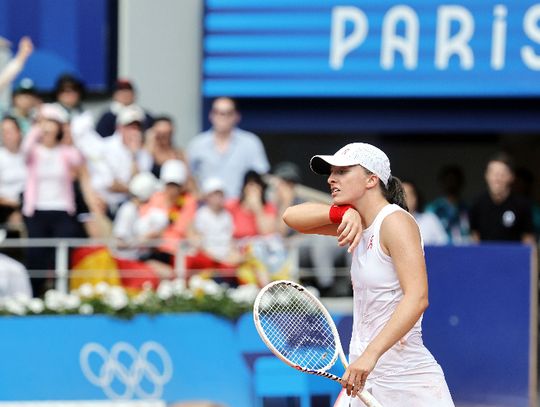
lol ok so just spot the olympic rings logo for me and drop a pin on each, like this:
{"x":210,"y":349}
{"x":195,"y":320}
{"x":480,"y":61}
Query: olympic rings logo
{"x":125,"y":372}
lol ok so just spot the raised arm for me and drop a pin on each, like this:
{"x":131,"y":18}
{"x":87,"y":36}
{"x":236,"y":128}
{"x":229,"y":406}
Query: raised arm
{"x":310,"y":218}
{"x":313,"y":218}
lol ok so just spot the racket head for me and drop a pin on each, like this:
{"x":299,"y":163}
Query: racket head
{"x":296,"y":326}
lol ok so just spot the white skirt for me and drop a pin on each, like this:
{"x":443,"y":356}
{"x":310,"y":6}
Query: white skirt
{"x":422,"y":387}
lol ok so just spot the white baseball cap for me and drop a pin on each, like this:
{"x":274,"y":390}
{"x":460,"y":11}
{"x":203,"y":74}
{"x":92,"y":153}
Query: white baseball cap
{"x":370,"y":157}
{"x":212,"y":185}
{"x":173,"y":172}
{"x":53,"y":111}
{"x":130,"y":114}
{"x":143,"y":185}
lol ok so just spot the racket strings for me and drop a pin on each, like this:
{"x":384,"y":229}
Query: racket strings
{"x":297,"y":328}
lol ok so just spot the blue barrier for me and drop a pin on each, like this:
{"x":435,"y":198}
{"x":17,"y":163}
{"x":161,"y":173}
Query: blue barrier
{"x":478,"y":326}
{"x":169,"y":357}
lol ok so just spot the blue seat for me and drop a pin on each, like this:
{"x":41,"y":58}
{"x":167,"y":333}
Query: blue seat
{"x":273,"y":378}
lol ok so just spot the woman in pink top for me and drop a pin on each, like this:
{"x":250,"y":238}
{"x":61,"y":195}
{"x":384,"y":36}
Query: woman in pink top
{"x":49,"y":199}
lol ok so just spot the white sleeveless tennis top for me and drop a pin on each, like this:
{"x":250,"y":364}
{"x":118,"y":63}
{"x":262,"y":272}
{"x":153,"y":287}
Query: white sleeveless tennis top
{"x":377,"y":292}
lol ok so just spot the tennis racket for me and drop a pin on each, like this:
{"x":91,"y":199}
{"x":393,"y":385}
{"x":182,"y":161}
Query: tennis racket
{"x":298,"y":329}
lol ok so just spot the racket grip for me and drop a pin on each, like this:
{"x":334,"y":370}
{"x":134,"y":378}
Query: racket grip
{"x":368,"y":399}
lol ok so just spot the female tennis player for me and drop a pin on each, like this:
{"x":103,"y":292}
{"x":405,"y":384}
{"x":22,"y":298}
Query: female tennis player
{"x":388,"y":273}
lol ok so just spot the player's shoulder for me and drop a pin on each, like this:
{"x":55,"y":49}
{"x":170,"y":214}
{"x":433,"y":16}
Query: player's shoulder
{"x":399,"y":223}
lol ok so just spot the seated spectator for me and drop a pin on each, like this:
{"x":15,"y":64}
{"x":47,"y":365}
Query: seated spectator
{"x":12,"y":173}
{"x":450,"y":208}
{"x":211,"y":235}
{"x":49,"y":198}
{"x":255,"y":228}
{"x":180,"y":207}
{"x":225,"y":151}
{"x":252,"y":214}
{"x":160,"y":145}
{"x":132,"y":229}
{"x":431,"y":228}
{"x":125,"y":155}
{"x":14,"y":279}
{"x":123,"y":95}
{"x":499,"y":214}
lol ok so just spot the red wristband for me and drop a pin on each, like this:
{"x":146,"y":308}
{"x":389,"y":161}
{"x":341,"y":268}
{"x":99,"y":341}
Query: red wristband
{"x":337,"y":211}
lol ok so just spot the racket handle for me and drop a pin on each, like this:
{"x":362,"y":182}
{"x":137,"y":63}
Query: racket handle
{"x":368,"y":399}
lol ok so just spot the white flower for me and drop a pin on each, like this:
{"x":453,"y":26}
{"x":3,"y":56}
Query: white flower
{"x":116,"y":298}
{"x":165,"y":290}
{"x":86,"y":309}
{"x":244,"y":293}
{"x":147,"y":286}
{"x":142,"y":297}
{"x":196,"y":282}
{"x":22,"y":299}
{"x":178,"y":286}
{"x":72,"y":301}
{"x":36,"y":305}
{"x":86,"y":290}
{"x":54,"y":300}
{"x":14,"y":307}
{"x":210,"y":287}
{"x":102,"y":288}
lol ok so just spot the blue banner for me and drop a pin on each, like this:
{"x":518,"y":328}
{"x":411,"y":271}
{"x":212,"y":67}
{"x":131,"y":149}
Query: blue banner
{"x":336,"y":48}
{"x":70,"y":36}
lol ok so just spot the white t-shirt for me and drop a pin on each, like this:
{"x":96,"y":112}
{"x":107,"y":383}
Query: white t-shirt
{"x":119,"y":161}
{"x":216,"y":230}
{"x":431,"y":229}
{"x":12,"y":174}
{"x":129,"y":226}
{"x":14,"y":279}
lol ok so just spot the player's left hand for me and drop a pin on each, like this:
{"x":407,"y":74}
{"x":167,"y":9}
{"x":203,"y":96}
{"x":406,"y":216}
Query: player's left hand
{"x":349,"y":231}
{"x":354,"y":378}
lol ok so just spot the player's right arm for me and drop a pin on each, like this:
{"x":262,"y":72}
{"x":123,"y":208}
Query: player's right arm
{"x":313,"y":218}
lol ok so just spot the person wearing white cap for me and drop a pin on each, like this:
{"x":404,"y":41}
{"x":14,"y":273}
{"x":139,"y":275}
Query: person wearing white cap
{"x":180,"y":206}
{"x":211,"y":234}
{"x":125,"y":155}
{"x":388,"y":273}
{"x":131,"y":227}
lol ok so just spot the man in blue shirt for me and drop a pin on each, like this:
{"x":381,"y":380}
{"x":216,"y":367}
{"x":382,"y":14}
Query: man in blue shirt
{"x":225,"y":151}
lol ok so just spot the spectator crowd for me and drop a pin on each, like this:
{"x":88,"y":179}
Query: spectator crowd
{"x":213,"y":207}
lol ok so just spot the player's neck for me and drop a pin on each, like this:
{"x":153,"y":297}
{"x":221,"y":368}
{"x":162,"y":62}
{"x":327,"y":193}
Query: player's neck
{"x":370,"y":208}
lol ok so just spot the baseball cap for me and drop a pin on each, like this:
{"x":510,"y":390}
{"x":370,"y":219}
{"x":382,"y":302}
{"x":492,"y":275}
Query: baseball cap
{"x":143,"y":185}
{"x":53,"y":111}
{"x":123,"y":84}
{"x":173,"y":172}
{"x":368,"y":156}
{"x":25,"y":87}
{"x":130,"y":114}
{"x":212,"y":185}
